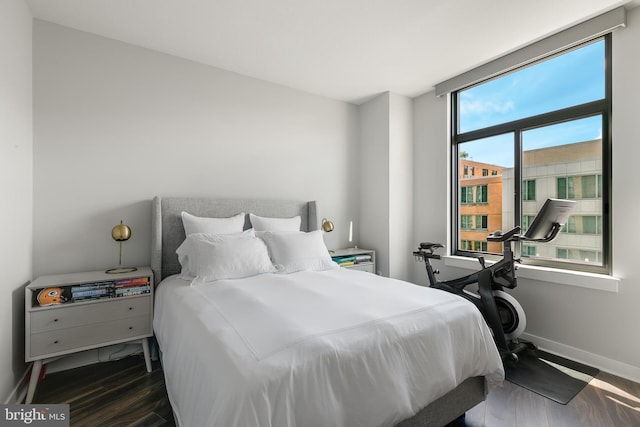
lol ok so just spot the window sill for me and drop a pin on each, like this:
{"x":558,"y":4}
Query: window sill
{"x":599,"y":282}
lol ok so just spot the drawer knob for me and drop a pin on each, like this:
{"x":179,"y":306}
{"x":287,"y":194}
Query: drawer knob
{"x":55,"y":320}
{"x":130,"y":328}
{"x":55,"y":342}
{"x":130,"y":308}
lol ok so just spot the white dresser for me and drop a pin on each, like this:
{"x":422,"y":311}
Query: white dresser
{"x":67,"y":313}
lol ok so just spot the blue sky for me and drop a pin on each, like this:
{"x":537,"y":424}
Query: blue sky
{"x":563,"y":81}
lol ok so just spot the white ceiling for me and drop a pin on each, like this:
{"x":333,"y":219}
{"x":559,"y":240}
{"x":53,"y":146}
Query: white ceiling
{"x":349,"y":50}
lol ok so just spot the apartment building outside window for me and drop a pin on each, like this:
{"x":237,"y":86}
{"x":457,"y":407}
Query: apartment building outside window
{"x":544,"y":132}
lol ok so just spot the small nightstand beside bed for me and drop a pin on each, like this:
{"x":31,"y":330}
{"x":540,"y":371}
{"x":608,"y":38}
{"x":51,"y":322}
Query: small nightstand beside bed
{"x":318,"y":347}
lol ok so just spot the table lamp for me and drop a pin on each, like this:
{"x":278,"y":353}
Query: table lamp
{"x":121,"y":233}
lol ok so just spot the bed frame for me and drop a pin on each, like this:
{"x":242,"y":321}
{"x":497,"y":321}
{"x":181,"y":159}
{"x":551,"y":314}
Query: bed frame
{"x":167,"y":233}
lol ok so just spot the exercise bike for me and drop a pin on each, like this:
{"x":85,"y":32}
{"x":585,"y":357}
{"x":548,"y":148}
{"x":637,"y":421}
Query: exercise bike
{"x":502,"y":312}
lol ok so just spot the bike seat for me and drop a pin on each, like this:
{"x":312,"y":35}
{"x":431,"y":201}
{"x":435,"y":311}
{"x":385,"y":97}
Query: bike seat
{"x":430,"y":246}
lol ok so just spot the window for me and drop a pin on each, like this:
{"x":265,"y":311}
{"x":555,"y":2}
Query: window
{"x":526,"y":220}
{"x":570,"y":226}
{"x":474,"y":245}
{"x":543,"y":131}
{"x":581,"y":255}
{"x":583,"y":224}
{"x":529,"y":189}
{"x":579,"y":187}
{"x":480,"y":246}
{"x":482,"y":195}
{"x":481,"y":222}
{"x":466,"y":195}
{"x":466,"y":222}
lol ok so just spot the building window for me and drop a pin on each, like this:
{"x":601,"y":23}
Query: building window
{"x":466,"y":195}
{"x":466,"y":222}
{"x":579,"y":187}
{"x":529,"y":127}
{"x":482,"y":195}
{"x":583,"y":224}
{"x":480,"y":246}
{"x":482,"y":222}
{"x":529,"y":189}
{"x":570,"y":226}
{"x":526,"y":221}
{"x":474,"y":245}
{"x":580,"y":255}
{"x":485,"y":172}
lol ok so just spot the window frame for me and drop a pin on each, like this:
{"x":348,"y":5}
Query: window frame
{"x":602,"y":107}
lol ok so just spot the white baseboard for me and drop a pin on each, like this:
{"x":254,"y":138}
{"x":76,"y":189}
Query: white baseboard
{"x":605,"y":364}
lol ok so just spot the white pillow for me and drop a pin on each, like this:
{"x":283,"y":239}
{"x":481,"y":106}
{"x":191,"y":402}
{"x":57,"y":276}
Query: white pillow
{"x":223,"y":258}
{"x":187,"y":251}
{"x":195,"y":224}
{"x":262,"y":223}
{"x":291,"y":252}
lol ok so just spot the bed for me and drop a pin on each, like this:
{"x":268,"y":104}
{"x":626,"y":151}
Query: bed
{"x":313,"y":347}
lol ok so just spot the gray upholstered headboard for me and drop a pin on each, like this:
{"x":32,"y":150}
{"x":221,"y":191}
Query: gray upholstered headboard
{"x":167,"y":232}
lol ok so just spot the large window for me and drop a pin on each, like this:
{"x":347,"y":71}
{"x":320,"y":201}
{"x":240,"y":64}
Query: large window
{"x":544,"y":132}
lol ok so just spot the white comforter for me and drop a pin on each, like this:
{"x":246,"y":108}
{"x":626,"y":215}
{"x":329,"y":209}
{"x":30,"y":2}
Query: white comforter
{"x":331,"y":348}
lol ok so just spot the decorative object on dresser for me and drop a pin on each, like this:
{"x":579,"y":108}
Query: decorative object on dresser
{"x":121,"y":233}
{"x":68,"y":313}
{"x":355,"y":258}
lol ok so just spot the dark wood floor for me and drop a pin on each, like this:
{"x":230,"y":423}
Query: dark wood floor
{"x":109,"y":394}
{"x":122,"y":393}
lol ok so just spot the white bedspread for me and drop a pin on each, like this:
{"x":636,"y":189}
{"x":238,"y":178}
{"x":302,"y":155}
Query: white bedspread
{"x":331,"y":348}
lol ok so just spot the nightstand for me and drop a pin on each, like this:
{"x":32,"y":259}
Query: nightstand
{"x":82,"y":311}
{"x":356,"y":258}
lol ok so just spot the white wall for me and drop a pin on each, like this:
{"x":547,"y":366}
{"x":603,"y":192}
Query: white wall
{"x":596,"y":326}
{"x":15,"y":185}
{"x":386,"y":189}
{"x":371,"y":231}
{"x":115,"y":125}
{"x":400,"y":185}
{"x":430,"y":189}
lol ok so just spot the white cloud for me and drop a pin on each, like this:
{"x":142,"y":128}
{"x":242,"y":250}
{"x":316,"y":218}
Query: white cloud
{"x":484,"y":107}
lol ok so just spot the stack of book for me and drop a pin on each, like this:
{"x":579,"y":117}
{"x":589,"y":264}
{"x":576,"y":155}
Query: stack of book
{"x":94,"y":290}
{"x":134,"y":286}
{"x":344,"y":261}
{"x":363,"y":258}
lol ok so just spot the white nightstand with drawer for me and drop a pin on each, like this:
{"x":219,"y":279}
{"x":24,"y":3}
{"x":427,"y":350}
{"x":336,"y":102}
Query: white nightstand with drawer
{"x":82,"y":311}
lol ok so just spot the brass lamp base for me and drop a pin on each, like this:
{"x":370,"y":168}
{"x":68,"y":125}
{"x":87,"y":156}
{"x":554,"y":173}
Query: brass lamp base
{"x":118,"y":270}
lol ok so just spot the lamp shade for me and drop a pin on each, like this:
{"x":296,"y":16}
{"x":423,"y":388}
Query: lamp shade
{"x":327,"y":225}
{"x":121,"y":232}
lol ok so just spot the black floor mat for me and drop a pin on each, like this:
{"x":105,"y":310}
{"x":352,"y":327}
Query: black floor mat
{"x":548,"y":375}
